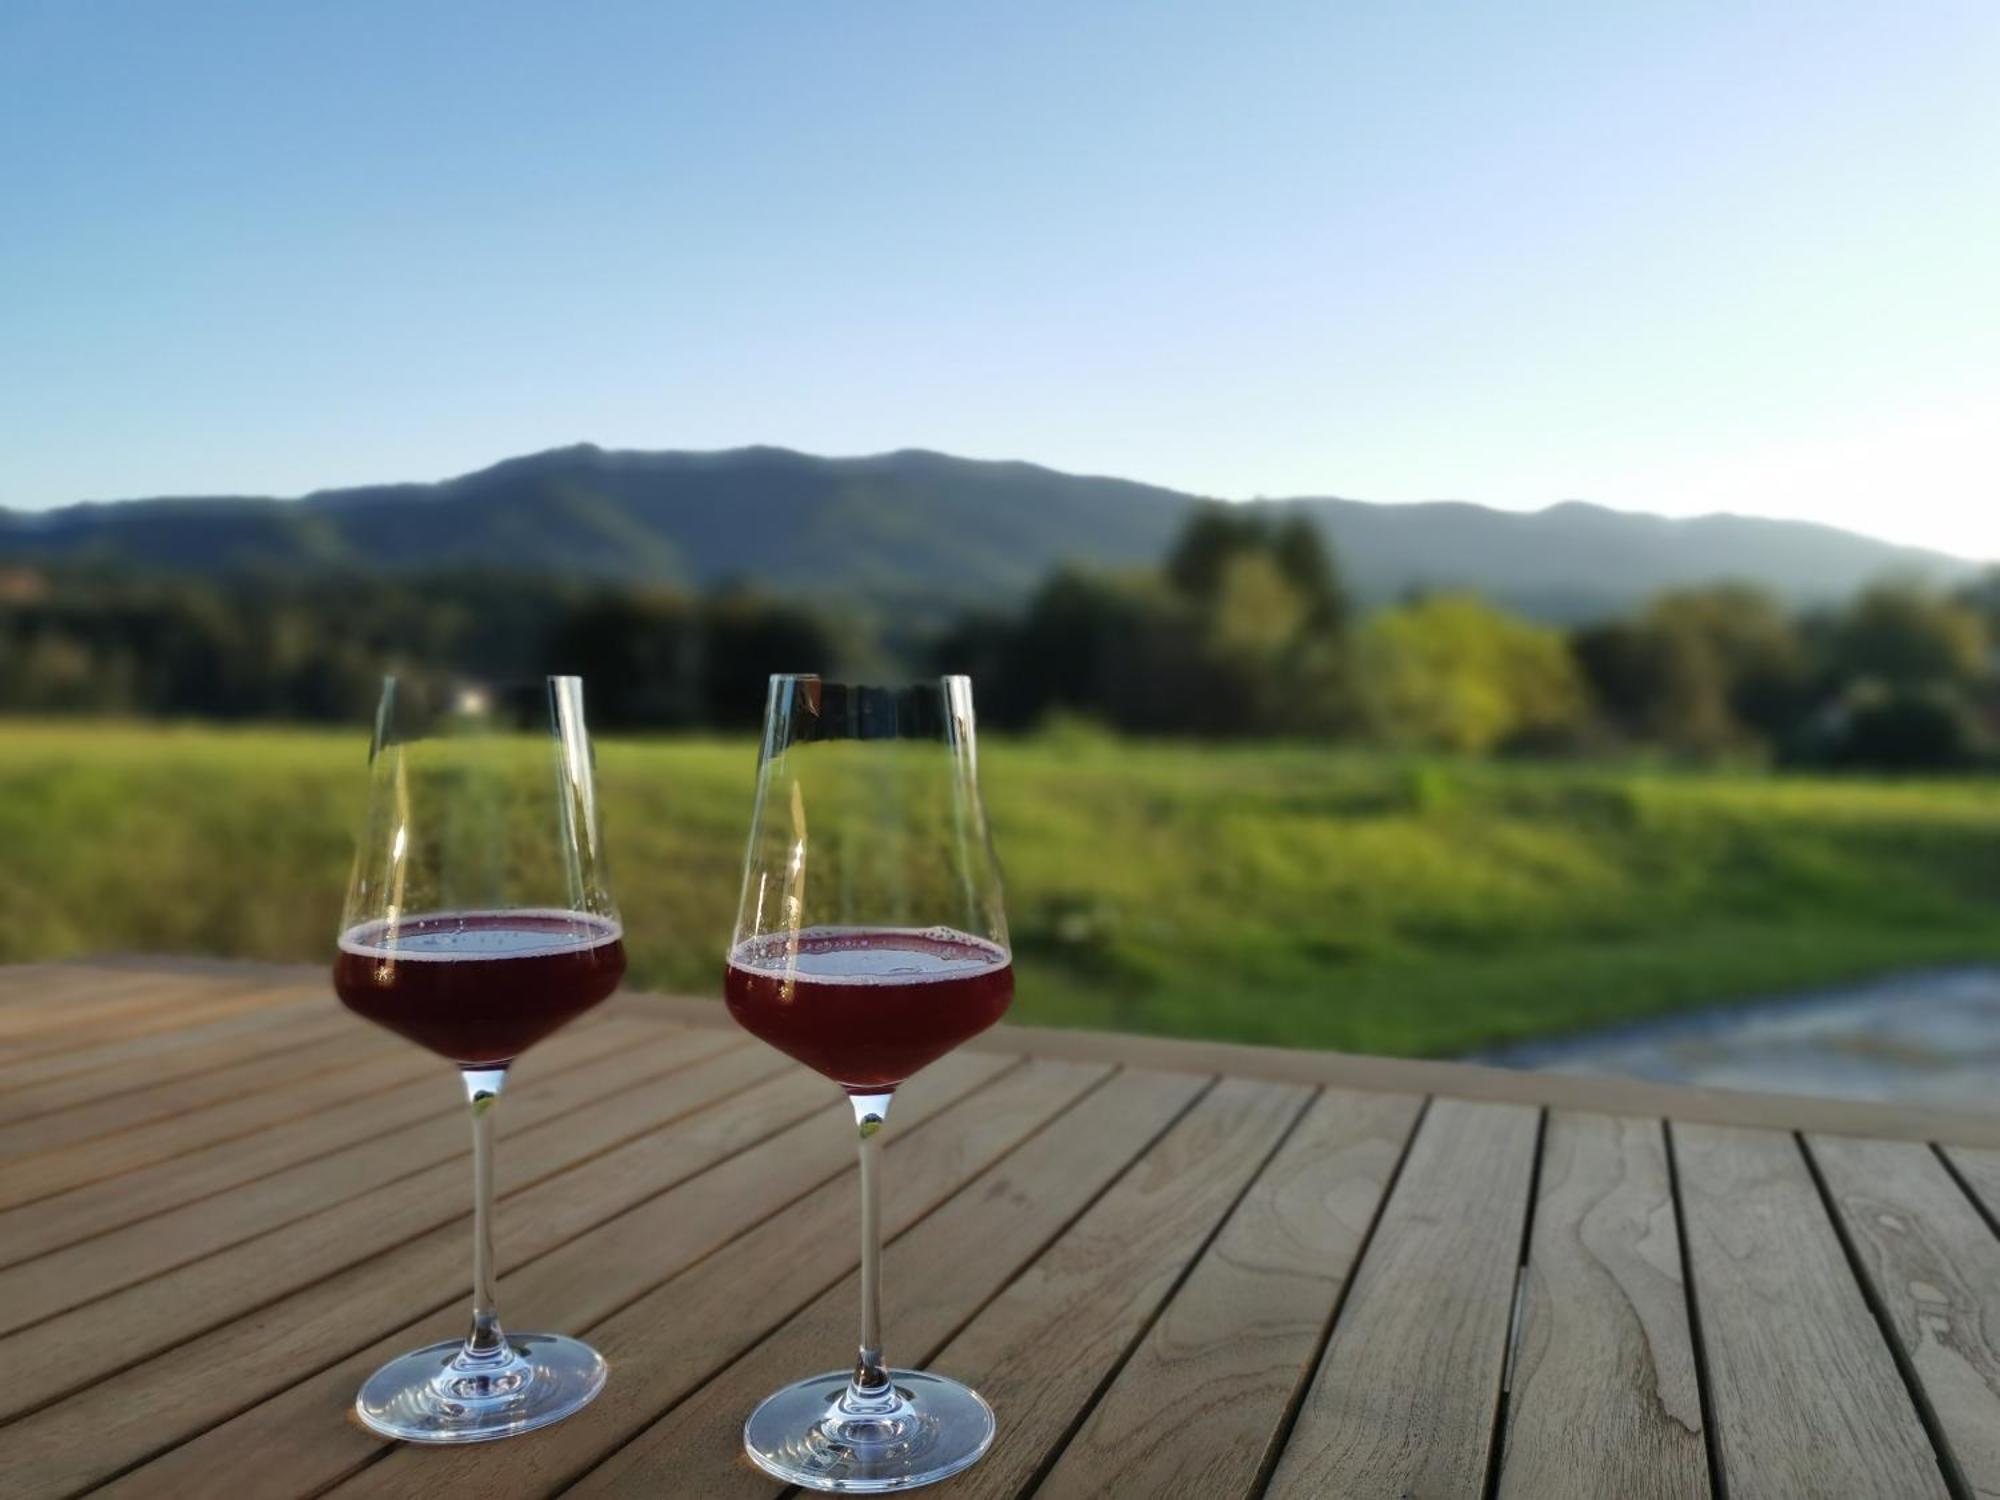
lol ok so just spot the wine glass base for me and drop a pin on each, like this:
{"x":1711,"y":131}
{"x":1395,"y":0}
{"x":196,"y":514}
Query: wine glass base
{"x":420,"y":1397}
{"x":935,"y":1428}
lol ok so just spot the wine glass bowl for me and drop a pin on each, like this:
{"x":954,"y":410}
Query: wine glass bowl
{"x":478,"y":987}
{"x":866,"y":1006}
{"x":478,"y":920}
{"x":870,"y":941}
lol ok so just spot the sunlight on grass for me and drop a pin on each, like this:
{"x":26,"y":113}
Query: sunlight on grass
{"x":1274,"y":894}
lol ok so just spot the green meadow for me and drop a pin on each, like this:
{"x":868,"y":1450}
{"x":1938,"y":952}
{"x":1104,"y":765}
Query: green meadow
{"x":1271,"y":893}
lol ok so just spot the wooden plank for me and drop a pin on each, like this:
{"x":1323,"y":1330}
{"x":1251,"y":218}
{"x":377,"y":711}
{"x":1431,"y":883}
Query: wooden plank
{"x":935,"y":1276}
{"x":933,"y":1163}
{"x":178,"y":1094}
{"x":572,"y":1262}
{"x":207,"y":966}
{"x":63,"y":1353}
{"x":256,"y":1036}
{"x":113,"y":1424}
{"x":770,"y":1273}
{"x":157,"y":1048}
{"x":33,"y":983}
{"x":1604,"y":1397}
{"x":1980,"y":1172}
{"x":81,"y":1000}
{"x":1040,"y":1350}
{"x":53,"y":1283}
{"x":1230,"y":1353}
{"x":183,"y":1181}
{"x":1471,"y":1081}
{"x":1934,"y":1267}
{"x":1404,"y":1399}
{"x":168,"y":1004}
{"x":1600,"y":1095}
{"x":1804,"y":1392}
{"x":279,"y":1376}
{"x":31,"y":1178}
{"x":47,"y":989}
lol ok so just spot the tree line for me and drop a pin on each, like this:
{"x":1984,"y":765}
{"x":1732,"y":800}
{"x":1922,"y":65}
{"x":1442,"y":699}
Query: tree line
{"x":314,"y":650}
{"x":1244,"y":629}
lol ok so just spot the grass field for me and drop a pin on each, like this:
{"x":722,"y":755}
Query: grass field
{"x":1272,"y":894}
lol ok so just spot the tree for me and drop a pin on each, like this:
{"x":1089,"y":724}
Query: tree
{"x":745,"y":638}
{"x":1982,"y":597}
{"x":641,"y":655}
{"x":1703,"y":670}
{"x":1124,"y":650}
{"x":1217,"y":537}
{"x":1239,"y":633}
{"x":1213,"y":534}
{"x":1635,"y":676}
{"x":1452,"y":672}
{"x":1753,"y":646}
{"x":1887,"y":728}
{"x":1908,"y":636}
{"x":1302,"y":556}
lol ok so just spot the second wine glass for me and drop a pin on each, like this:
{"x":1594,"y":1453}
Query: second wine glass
{"x":479,"y":919}
{"x":870,"y":941}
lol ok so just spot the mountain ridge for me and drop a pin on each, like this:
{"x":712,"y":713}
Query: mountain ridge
{"x":914,"y":523}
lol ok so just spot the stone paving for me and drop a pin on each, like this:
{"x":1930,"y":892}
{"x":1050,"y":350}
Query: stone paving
{"x":1931,"y":1037}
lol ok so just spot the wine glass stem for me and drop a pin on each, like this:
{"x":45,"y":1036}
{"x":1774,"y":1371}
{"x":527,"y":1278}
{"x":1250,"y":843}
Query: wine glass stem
{"x":486,"y":1341}
{"x":870,"y":1390}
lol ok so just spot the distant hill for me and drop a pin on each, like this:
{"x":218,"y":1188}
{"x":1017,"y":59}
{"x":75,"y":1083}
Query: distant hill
{"x":1576,"y":561}
{"x":916,"y":525}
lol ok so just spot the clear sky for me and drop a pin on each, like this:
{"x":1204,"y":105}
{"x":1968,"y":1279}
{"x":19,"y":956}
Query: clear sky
{"x":1685,"y":256}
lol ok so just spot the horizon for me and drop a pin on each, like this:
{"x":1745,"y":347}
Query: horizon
{"x":1733,"y":264}
{"x":917,"y":449}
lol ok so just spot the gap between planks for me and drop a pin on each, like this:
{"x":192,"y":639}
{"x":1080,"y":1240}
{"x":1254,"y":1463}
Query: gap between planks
{"x":602,"y":1273}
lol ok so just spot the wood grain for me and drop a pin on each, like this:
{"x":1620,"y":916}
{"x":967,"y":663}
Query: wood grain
{"x":77,"y":1007}
{"x":1980,"y":1171}
{"x":1458,"y":1080}
{"x":41,"y":983}
{"x":1807,"y":1401}
{"x":112,"y":1424}
{"x":1231,"y":1351}
{"x":935,"y":1278}
{"x":1472,"y":1081}
{"x":87,"y":1343}
{"x":79,"y":1273}
{"x":302,"y":1439}
{"x":1404,"y":1399}
{"x":1604,"y":1399}
{"x":1934,"y":1267}
{"x":30,"y":1178}
{"x":686,"y":1329}
{"x":258,"y":1035}
{"x":160,"y":1051}
{"x":182,"y":1092}
{"x":198,"y":1264}
{"x":66,"y":1218}
{"x":157,"y":1005}
{"x":1039,"y":1351}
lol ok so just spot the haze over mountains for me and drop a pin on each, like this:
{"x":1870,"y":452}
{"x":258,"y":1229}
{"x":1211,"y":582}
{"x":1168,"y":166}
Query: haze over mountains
{"x":916,"y":525}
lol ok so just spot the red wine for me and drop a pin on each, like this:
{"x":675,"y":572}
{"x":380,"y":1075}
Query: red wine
{"x":479,"y":987}
{"x":868,"y":1007}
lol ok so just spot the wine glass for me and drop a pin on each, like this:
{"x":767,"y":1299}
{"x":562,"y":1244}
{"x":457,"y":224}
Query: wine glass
{"x":870,"y":942}
{"x":478,"y":920}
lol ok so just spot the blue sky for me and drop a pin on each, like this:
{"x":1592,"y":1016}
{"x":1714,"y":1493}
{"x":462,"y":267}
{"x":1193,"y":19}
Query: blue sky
{"x":1681,"y":257}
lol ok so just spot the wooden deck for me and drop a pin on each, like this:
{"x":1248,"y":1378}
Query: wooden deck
{"x":1175,"y":1269}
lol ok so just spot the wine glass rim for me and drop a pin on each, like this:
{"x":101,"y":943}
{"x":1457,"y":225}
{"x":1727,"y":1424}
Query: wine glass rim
{"x":504,"y":679}
{"x":942,"y":679}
